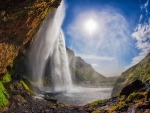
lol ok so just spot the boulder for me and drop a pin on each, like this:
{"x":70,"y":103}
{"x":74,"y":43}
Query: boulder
{"x":134,"y":86}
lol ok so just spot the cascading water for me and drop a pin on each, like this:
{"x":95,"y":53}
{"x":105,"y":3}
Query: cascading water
{"x":49,"y":46}
{"x":59,"y":64}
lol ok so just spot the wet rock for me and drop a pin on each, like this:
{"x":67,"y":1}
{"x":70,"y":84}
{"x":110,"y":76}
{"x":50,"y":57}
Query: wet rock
{"x":22,"y":102}
{"x":34,"y":88}
{"x":50,"y":98}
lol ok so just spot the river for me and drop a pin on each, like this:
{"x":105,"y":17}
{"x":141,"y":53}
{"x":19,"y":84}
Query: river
{"x":80,"y":96}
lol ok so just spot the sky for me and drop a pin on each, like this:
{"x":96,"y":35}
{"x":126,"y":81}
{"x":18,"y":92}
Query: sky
{"x":111,"y":35}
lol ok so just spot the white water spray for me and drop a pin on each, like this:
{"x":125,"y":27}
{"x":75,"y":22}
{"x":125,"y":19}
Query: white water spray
{"x":49,"y":46}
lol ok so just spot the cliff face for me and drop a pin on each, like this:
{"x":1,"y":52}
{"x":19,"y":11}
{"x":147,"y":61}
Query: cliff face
{"x":83,"y":72}
{"x":20,"y":20}
{"x":140,"y":71}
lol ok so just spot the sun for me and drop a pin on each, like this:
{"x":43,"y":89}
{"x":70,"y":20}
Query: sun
{"x":90,"y":26}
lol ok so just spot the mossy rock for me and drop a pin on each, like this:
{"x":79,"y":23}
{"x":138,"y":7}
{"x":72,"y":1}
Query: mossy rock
{"x":99,"y":102}
{"x":26,"y":87}
{"x":135,"y":96}
{"x":3,"y":96}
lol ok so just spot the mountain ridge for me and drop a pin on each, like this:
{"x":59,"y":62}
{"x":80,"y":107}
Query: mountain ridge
{"x":83,"y":72}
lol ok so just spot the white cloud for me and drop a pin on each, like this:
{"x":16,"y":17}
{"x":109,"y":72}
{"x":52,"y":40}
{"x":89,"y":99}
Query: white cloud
{"x":94,"y":65}
{"x":146,"y":4}
{"x":108,"y":69}
{"x":142,"y":32}
{"x":145,"y":49}
{"x":94,"y":57}
{"x":143,"y":45}
{"x":142,"y":36}
{"x":141,"y":17}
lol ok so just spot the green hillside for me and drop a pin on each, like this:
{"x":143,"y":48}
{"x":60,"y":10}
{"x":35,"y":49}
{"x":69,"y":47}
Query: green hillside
{"x":140,"y":71}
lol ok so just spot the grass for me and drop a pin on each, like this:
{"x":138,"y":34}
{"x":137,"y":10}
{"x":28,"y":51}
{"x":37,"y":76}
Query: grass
{"x":6,"y":78}
{"x":118,"y":106}
{"x":3,"y":96}
{"x":98,"y":111}
{"x":3,"y":92}
{"x":135,"y":96}
{"x":95,"y":103}
{"x":124,"y":101}
{"x":140,"y":71}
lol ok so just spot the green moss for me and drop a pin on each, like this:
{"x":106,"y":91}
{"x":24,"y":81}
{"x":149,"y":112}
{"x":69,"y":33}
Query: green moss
{"x":44,"y":13}
{"x":95,"y":103}
{"x":3,"y":93}
{"x":6,"y":78}
{"x":11,"y":87}
{"x":113,"y":108}
{"x":26,"y":87}
{"x":3,"y":96}
{"x":135,"y":96}
{"x":23,"y":100}
{"x":122,"y":98}
{"x":148,"y":77}
{"x":118,"y":106}
{"x":98,"y":111}
{"x":19,"y":86}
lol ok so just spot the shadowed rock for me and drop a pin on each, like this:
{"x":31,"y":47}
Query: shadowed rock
{"x":134,"y":86}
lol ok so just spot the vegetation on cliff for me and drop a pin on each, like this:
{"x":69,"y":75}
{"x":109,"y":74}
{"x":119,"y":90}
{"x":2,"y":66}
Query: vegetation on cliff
{"x":140,"y":71}
{"x":4,"y":94}
{"x":20,"y":20}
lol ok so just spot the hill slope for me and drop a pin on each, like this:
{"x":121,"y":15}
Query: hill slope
{"x":140,"y":71}
{"x":83,"y":72}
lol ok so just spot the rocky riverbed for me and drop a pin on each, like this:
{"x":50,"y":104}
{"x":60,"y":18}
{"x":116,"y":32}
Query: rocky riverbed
{"x":22,"y":100}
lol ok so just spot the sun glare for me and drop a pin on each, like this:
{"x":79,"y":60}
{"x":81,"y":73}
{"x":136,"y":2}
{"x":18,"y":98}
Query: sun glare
{"x":90,"y":25}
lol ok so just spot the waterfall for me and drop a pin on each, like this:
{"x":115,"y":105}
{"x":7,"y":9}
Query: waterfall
{"x":49,"y":46}
{"x":59,"y":63}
